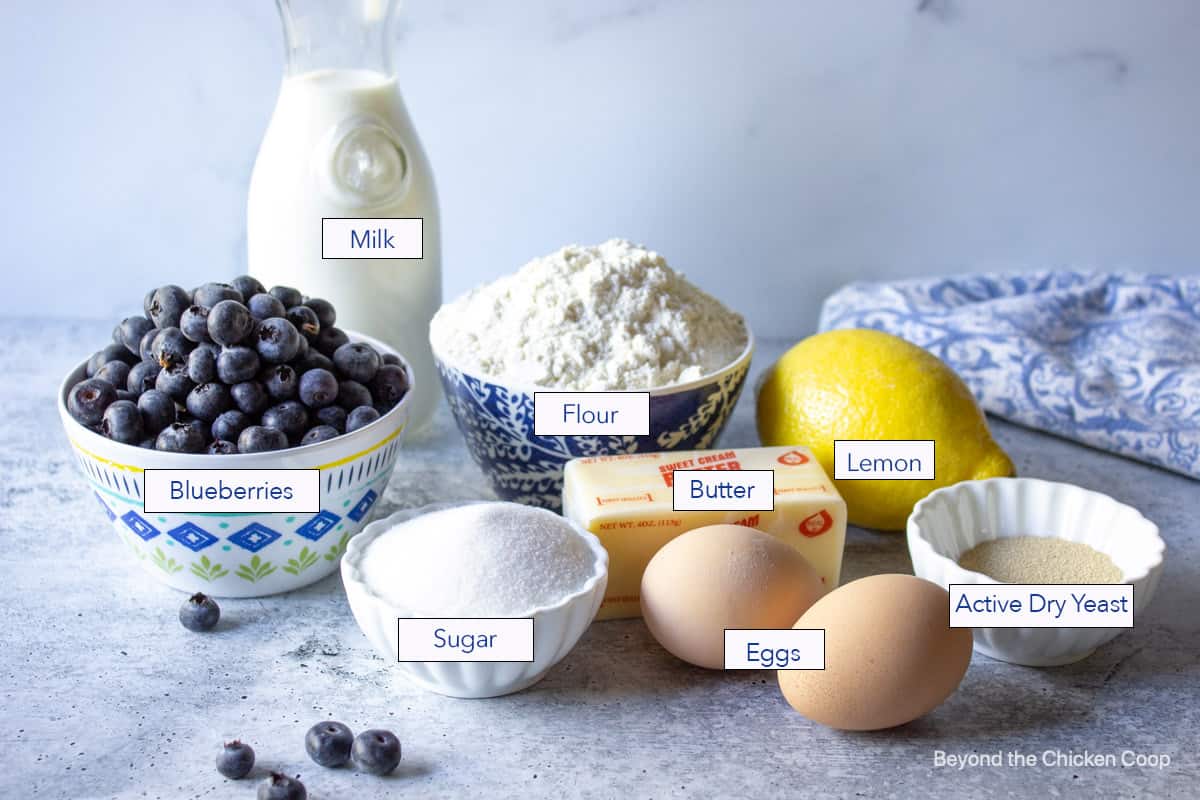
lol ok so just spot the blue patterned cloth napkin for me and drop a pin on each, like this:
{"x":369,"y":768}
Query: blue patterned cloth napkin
{"x":1110,"y":360}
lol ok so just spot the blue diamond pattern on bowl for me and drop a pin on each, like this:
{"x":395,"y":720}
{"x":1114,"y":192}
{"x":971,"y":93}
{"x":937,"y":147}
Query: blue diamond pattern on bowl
{"x":104,"y":505}
{"x":139,"y":526}
{"x":318,"y":526}
{"x":254,"y":537}
{"x":363,"y":505}
{"x":192,"y":536}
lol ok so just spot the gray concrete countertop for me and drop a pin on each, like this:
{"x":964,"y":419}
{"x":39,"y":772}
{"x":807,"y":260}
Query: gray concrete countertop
{"x":105,"y":695}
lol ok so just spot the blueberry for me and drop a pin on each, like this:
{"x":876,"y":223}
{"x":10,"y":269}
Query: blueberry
{"x":132,"y":329}
{"x":174,"y":381}
{"x":158,"y":411}
{"x":87,"y":400}
{"x":237,"y":364}
{"x":329,"y":340}
{"x":265,"y":306}
{"x":287,"y":295}
{"x":111,"y":352}
{"x":212,"y":293}
{"x":356,"y":361}
{"x":389,"y":386}
{"x":326,"y":315}
{"x":122,"y":422}
{"x":333,"y":416}
{"x":147,"y":443}
{"x":209,"y":401}
{"x":318,"y":388}
{"x":167,"y":305}
{"x":170,"y":346}
{"x":247,"y":286}
{"x":305,"y":320}
{"x":146,"y":345}
{"x":280,"y":381}
{"x":290,"y":416}
{"x":328,"y":743}
{"x":125,"y":394}
{"x":141,"y":377}
{"x":194,"y":323}
{"x":235,"y":760}
{"x":257,"y":439}
{"x":278,"y":341}
{"x":352,"y":394}
{"x":202,"y":364}
{"x":250,"y":397}
{"x":376,"y":752}
{"x":320,"y":433}
{"x":360,"y":417}
{"x":115,"y":372}
{"x":202,"y":428}
{"x":312,"y":359}
{"x":180,"y":437}
{"x":229,"y":322}
{"x":277,"y":786}
{"x":147,"y":300}
{"x":389,"y":358}
{"x":199,"y":613}
{"x":229,"y":424}
{"x":221,"y":447}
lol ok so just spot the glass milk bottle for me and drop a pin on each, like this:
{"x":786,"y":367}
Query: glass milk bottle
{"x":340,"y":144}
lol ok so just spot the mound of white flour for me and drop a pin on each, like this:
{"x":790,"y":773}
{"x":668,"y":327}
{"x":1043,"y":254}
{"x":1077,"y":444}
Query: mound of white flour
{"x":613,"y":316}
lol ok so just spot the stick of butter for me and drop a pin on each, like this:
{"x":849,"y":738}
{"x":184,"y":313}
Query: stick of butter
{"x":626,"y":501}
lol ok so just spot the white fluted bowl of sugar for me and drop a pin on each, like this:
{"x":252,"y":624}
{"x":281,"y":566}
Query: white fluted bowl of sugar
{"x":480,"y":560}
{"x":951,"y":522}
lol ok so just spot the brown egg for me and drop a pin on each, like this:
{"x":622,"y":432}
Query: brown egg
{"x":718,"y":577}
{"x":890,"y":655}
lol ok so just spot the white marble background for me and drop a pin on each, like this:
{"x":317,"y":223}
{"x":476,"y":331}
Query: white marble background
{"x":771,"y":149}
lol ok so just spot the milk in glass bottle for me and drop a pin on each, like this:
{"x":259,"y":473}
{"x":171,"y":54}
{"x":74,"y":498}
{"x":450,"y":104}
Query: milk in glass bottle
{"x":340,"y":145}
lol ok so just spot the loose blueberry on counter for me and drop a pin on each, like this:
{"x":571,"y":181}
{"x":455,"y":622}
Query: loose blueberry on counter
{"x":221,"y":447}
{"x":352,"y":394}
{"x":131,"y":330}
{"x":321,"y":433}
{"x":357,"y":361}
{"x":167,"y":305}
{"x":318,"y":388}
{"x":259,"y":439}
{"x":329,"y":340}
{"x":115,"y":372}
{"x":287,"y":295}
{"x":328,"y":743}
{"x":202,"y":364}
{"x":265,"y":306}
{"x":305,"y":320}
{"x":278,"y":786}
{"x":247,"y":286}
{"x":360,"y":418}
{"x":142,"y":376}
{"x":235,"y":760}
{"x":212,"y":293}
{"x":199,"y":613}
{"x":333,"y":416}
{"x":290,"y":417}
{"x":376,"y":751}
{"x":280,"y":381}
{"x":278,"y":341}
{"x":180,"y":437}
{"x":194,"y":323}
{"x":237,"y":364}
{"x":157,"y":409}
{"x":174,"y":382}
{"x":250,"y":397}
{"x":230,"y":424}
{"x":88,"y":399}
{"x":389,"y":386}
{"x":122,"y":422}
{"x":326,"y":315}
{"x":170,"y":346}
{"x":209,"y":401}
{"x":229,"y":322}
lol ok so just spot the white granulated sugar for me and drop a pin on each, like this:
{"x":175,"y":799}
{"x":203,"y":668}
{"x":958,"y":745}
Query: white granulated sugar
{"x":613,"y":316}
{"x":478,"y":560}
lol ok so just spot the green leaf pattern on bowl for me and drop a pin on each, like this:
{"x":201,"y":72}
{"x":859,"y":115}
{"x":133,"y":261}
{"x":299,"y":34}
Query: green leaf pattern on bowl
{"x":256,"y":570}
{"x":305,"y":560}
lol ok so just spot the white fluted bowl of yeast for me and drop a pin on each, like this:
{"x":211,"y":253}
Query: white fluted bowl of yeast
{"x":557,"y":626}
{"x":953,"y":520}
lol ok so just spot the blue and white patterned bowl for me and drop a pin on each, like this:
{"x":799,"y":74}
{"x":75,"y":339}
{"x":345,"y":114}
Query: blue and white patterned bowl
{"x":242,"y":555}
{"x":496,"y":418}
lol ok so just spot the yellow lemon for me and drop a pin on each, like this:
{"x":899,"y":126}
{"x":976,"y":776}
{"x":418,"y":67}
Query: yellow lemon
{"x":866,"y":384}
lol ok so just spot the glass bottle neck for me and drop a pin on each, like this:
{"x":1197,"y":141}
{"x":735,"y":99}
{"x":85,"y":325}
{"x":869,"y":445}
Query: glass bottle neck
{"x":337,"y":35}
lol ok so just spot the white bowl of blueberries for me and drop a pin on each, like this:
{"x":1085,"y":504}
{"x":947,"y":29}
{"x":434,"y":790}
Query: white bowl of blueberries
{"x":236,"y":376}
